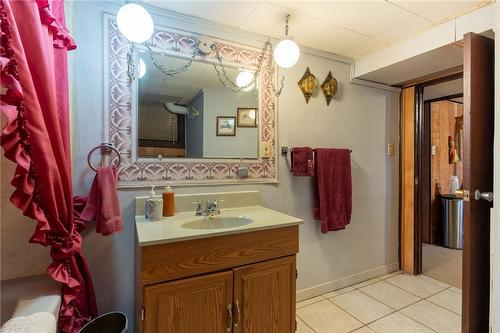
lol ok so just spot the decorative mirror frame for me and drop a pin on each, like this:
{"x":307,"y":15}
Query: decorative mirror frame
{"x":120,"y":114}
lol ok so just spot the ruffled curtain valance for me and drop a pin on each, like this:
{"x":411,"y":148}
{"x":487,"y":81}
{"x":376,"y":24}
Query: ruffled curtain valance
{"x":34,"y":98}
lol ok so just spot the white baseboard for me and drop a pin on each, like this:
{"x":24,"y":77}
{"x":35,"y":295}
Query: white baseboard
{"x":326,"y":287}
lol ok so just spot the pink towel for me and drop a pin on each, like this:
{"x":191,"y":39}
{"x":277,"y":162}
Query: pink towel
{"x":302,"y":161}
{"x":332,"y":188}
{"x":103,"y":206}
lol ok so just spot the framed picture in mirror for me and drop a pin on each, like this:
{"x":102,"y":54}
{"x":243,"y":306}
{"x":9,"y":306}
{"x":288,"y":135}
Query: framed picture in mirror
{"x":247,"y":117}
{"x":226,"y":126}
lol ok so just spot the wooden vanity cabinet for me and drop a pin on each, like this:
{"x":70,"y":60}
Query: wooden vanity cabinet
{"x":252,"y":293}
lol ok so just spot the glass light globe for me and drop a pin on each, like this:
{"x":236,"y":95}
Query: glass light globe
{"x":244,"y":79}
{"x":135,"y":23}
{"x":286,"y":53}
{"x":142,"y":68}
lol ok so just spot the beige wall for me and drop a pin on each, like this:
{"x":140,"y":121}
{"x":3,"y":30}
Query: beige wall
{"x":18,"y":257}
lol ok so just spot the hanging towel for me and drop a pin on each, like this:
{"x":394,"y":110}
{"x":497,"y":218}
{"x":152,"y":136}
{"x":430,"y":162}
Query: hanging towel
{"x":103,"y":206}
{"x":302,"y":161}
{"x":332,"y":188}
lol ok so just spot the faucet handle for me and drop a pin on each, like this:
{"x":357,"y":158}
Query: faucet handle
{"x":199,"y":210}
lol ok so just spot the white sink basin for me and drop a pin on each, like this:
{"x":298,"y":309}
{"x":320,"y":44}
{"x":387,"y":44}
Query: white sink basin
{"x":217,"y":222}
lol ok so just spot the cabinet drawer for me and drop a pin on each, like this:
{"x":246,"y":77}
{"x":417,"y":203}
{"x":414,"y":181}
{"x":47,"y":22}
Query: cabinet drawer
{"x":166,"y":262}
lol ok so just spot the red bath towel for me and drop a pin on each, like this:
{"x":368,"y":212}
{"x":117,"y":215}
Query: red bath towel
{"x":302,"y":161}
{"x":103,"y":206}
{"x":332,"y":188}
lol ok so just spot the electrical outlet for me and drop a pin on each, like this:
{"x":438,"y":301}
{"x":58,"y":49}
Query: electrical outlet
{"x":433,"y":150}
{"x":266,"y":149}
{"x":390,"y":149}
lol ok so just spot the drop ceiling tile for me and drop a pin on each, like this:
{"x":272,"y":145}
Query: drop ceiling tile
{"x":268,"y":19}
{"x":438,"y":11}
{"x":369,"y":18}
{"x":230,"y":13}
{"x":404,"y":31}
{"x":183,"y":7}
{"x":370,"y":45}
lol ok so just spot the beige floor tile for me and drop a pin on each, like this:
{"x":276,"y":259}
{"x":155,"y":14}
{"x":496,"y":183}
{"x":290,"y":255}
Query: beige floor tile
{"x":456,"y":290}
{"x":390,"y":295}
{"x":365,"y":283}
{"x":364,"y":330}
{"x":448,"y":300}
{"x":433,"y":316}
{"x":437,"y":282}
{"x":302,"y":327}
{"x":309,"y":301}
{"x":415,"y":285}
{"x":386,"y":276}
{"x":361,"y":306}
{"x":398,"y":323}
{"x":326,"y":317}
{"x":338,"y":292}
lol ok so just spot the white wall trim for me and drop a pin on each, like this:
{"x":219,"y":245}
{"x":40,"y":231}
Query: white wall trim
{"x":326,"y":287}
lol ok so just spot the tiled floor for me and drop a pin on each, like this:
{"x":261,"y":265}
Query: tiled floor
{"x":393,"y":303}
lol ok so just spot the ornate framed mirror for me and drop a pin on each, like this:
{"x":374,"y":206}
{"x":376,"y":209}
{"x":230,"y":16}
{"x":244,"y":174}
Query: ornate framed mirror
{"x":148,"y":159}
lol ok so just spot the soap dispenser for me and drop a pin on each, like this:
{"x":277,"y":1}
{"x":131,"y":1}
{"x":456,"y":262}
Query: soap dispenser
{"x":153,"y":209}
{"x":168,"y":201}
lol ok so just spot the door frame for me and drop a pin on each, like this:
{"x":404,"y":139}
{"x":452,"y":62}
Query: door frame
{"x":411,"y":166}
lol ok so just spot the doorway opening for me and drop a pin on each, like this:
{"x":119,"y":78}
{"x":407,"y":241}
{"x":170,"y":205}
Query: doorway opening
{"x":441,"y":173}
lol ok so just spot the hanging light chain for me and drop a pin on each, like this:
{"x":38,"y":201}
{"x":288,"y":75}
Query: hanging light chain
{"x":287,"y":20}
{"x":219,"y":67}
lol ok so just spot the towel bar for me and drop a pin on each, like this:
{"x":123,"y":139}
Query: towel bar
{"x":106,"y":148}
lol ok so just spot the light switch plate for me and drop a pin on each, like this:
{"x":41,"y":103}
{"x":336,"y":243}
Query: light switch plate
{"x":390,"y":149}
{"x":266,"y":149}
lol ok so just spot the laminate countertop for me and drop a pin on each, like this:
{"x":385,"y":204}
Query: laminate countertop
{"x":173,"y":229}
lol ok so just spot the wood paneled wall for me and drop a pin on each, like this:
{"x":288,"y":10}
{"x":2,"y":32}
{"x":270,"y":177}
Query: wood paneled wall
{"x":443,"y":122}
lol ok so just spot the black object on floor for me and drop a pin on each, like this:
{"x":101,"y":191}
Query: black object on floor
{"x":111,"y":322}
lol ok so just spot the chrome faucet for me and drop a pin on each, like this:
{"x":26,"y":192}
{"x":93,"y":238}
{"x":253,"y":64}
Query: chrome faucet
{"x":211,"y":208}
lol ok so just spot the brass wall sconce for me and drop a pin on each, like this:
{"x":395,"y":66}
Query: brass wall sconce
{"x":329,"y":87}
{"x":308,"y":84}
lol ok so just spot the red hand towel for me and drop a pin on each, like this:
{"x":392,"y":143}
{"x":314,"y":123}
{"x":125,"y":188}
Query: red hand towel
{"x":302,"y":161}
{"x":103,"y":205}
{"x":332,"y":188}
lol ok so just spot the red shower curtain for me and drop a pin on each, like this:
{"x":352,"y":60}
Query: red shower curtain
{"x":34,"y":98}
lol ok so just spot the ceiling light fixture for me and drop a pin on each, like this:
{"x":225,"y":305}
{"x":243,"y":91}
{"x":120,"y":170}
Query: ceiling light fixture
{"x":142,"y":68}
{"x":135,"y":23}
{"x":245,"y":80}
{"x":287,"y":52}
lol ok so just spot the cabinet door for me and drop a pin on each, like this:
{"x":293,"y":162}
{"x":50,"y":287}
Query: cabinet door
{"x":264,"y":297}
{"x":194,"y":305}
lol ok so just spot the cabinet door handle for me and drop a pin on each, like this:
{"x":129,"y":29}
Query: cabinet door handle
{"x":230,"y":316}
{"x":238,"y":312}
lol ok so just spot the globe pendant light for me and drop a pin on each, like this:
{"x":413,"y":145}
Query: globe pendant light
{"x":135,"y":23}
{"x":244,"y":80}
{"x":287,"y":52}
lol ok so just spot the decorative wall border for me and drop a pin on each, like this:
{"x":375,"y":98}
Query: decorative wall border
{"x":119,"y":117}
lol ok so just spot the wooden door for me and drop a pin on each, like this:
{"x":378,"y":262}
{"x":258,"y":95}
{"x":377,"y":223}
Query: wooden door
{"x":264,"y":297}
{"x":478,"y":175}
{"x":193,"y":305}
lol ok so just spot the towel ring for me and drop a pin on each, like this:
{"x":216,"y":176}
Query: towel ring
{"x":106,"y":148}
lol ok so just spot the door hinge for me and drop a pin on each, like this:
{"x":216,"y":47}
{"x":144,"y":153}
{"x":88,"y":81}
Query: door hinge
{"x":295,"y":325}
{"x":296,"y":274}
{"x":143,"y":314}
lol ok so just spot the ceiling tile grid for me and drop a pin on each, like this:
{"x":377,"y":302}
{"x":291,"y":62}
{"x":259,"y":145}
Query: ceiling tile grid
{"x":347,"y":28}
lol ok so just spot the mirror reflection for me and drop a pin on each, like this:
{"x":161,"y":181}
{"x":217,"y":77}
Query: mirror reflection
{"x":193,"y":115}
